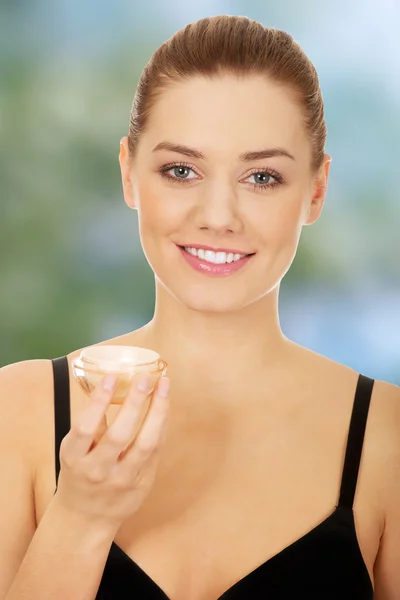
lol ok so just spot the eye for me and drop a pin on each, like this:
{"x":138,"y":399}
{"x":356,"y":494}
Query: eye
{"x":263,"y":178}
{"x":185,"y":173}
{"x":181,"y":172}
{"x":177,"y":172}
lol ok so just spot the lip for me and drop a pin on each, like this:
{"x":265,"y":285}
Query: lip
{"x":227,"y":250}
{"x":211,"y":269}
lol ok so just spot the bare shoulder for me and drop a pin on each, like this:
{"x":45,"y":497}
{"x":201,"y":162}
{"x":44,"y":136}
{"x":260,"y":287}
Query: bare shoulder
{"x":385,"y":407}
{"x":387,"y":413}
{"x":383,"y":426}
{"x":385,"y":435}
{"x":22,"y":385}
{"x":382,"y":439}
{"x":16,"y":374}
{"x":387,"y":423}
{"x":27,"y":387}
{"x":26,"y":392}
{"x":387,"y":401}
{"x":27,"y":403}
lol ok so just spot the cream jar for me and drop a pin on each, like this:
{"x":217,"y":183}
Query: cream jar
{"x":95,"y":362}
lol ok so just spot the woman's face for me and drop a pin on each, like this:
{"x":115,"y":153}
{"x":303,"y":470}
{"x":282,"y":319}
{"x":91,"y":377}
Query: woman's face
{"x":209,"y":194}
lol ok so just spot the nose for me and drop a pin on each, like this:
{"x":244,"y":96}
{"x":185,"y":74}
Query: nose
{"x":218,"y":208}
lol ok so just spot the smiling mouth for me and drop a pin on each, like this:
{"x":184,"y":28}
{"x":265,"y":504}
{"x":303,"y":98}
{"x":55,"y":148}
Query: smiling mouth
{"x":214,"y":263}
{"x":216,"y":257}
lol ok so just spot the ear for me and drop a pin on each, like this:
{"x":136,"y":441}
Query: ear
{"x":320,"y":187}
{"x":126,"y":168}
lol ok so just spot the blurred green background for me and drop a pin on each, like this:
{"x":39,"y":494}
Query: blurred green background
{"x":72,"y":271}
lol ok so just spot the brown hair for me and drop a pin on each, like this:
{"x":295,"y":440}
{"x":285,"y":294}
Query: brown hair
{"x":237,"y":45}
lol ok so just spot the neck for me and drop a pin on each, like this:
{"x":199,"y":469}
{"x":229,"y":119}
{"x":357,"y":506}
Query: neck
{"x":222,"y":345}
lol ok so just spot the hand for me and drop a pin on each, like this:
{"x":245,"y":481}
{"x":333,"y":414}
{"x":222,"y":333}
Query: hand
{"x":106,"y":478}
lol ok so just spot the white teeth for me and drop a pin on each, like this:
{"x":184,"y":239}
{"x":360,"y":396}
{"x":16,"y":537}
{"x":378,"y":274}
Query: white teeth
{"x":218,"y":258}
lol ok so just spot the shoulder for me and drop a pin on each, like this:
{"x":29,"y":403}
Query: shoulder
{"x":385,"y":437}
{"x":387,"y":403}
{"x":23,"y":386}
{"x":27,"y":385}
{"x":387,"y":395}
{"x":386,"y":406}
{"x":382,"y":436}
{"x":387,"y":419}
{"x":27,"y":403}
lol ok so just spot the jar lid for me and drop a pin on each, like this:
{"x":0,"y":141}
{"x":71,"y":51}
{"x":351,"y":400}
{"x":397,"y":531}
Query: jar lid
{"x":119,"y":356}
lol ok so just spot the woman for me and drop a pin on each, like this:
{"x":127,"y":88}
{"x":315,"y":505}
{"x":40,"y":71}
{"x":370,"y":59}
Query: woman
{"x":269,"y":471}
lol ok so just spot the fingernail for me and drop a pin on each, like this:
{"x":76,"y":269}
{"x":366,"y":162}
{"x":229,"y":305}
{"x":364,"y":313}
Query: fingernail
{"x":110,"y":381}
{"x":163,"y":387}
{"x":143,"y":382}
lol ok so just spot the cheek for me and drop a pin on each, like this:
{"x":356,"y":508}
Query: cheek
{"x":160,"y":215}
{"x":152,"y":206}
{"x":280,"y":225}
{"x":279,"y":231}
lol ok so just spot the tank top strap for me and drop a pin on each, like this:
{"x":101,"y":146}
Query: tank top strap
{"x":62,"y":409}
{"x":355,"y":440}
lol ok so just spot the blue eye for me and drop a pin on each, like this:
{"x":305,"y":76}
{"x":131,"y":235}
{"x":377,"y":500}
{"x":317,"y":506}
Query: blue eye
{"x":180,"y":172}
{"x":264,"y":175}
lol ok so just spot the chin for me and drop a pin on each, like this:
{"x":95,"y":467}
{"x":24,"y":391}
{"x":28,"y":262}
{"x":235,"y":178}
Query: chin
{"x":199,"y":292}
{"x":202,"y":298}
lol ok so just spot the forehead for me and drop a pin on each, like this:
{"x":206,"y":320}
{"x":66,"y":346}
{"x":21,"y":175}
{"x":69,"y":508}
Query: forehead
{"x":227,"y":113}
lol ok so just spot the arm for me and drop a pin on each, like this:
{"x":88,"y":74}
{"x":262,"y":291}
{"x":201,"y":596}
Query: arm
{"x":64,"y":560}
{"x":17,"y":510}
{"x":64,"y":557}
{"x":387,"y":564}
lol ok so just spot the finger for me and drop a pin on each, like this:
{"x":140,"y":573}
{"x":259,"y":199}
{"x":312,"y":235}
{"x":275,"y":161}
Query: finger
{"x":85,"y":431}
{"x":100,"y":432}
{"x":120,"y":432}
{"x":152,"y":431}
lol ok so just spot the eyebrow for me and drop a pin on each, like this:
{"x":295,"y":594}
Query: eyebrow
{"x":246,"y":157}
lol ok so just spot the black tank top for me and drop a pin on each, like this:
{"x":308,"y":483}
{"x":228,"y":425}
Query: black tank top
{"x":325,"y":564}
